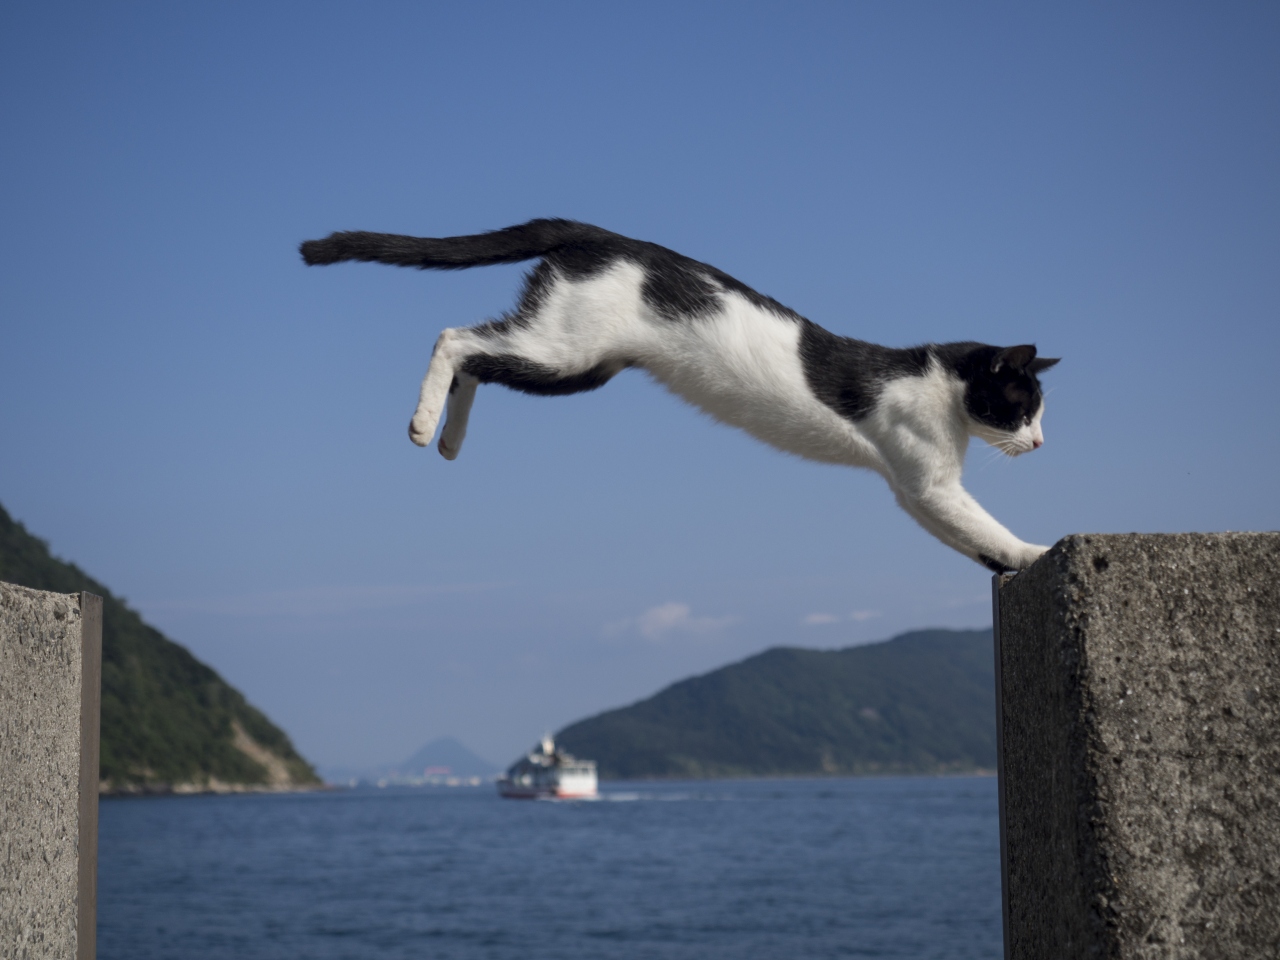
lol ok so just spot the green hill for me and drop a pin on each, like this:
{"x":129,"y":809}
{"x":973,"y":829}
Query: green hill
{"x":923,"y":702}
{"x":168,"y":721}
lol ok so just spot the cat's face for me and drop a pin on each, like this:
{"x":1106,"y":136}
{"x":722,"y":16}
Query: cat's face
{"x":1003,"y":398}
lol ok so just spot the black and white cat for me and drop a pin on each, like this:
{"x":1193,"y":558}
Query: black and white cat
{"x":599,"y":302}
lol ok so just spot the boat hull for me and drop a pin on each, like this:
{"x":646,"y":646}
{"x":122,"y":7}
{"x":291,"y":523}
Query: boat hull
{"x":549,"y":774}
{"x":512,"y":792}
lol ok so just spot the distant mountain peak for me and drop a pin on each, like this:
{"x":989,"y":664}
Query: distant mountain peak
{"x":448,"y":753}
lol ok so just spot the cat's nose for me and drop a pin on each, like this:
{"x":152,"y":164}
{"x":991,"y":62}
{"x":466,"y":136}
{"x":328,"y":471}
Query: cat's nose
{"x":1037,"y":444}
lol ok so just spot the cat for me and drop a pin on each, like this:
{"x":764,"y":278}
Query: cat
{"x":598,"y":303}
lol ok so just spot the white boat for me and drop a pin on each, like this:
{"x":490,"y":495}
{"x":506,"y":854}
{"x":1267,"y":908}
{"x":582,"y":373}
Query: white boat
{"x":546,"y":772}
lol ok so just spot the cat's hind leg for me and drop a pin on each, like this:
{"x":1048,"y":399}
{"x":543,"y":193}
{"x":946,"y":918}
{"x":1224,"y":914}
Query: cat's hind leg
{"x":461,"y":395}
{"x":446,"y":358}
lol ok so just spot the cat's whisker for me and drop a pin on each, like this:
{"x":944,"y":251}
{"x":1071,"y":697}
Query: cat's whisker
{"x":1001,"y":449}
{"x":996,"y":455}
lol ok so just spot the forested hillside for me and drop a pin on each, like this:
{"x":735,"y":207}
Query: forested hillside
{"x":168,"y":721}
{"x":923,"y":702}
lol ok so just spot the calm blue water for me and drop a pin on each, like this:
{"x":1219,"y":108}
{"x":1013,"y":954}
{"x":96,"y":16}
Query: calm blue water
{"x":736,"y":869}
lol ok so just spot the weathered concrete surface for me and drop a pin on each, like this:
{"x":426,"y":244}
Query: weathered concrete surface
{"x":1139,"y":682}
{"x":50,"y":676}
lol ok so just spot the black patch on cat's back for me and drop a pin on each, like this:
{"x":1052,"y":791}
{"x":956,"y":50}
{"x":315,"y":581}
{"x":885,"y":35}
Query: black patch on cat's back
{"x":537,"y":284}
{"x":848,"y":375}
{"x":536,"y":378}
{"x":676,"y":292}
{"x":676,"y":287}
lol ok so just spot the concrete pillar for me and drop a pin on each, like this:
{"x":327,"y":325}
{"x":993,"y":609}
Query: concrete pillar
{"x":1138,"y":683}
{"x":50,"y":695}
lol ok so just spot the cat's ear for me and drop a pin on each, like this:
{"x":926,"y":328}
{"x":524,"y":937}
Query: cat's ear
{"x":1041,"y":364}
{"x":1017,"y":358}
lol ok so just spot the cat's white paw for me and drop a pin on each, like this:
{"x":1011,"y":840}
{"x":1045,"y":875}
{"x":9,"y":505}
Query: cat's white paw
{"x":1031,"y":552}
{"x":1019,"y":558}
{"x":422,"y":429}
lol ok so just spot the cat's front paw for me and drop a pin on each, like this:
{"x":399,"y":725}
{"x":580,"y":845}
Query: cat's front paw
{"x":1020,"y":559}
{"x":1029,"y":554}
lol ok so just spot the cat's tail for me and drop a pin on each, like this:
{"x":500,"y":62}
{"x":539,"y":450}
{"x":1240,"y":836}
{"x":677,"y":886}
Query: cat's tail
{"x":536,"y":238}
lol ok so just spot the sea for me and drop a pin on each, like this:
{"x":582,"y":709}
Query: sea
{"x":864,"y":867}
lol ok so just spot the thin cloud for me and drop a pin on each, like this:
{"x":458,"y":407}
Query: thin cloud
{"x":822,"y":619}
{"x":660,"y":622}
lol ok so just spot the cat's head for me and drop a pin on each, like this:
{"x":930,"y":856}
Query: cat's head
{"x":1003,"y":398}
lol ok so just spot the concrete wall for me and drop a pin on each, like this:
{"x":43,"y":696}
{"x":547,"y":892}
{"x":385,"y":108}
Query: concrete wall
{"x":50,"y":681}
{"x":1139,"y":723}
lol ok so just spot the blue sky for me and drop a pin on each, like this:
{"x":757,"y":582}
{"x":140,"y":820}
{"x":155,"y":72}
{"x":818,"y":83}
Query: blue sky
{"x":218,"y":433}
